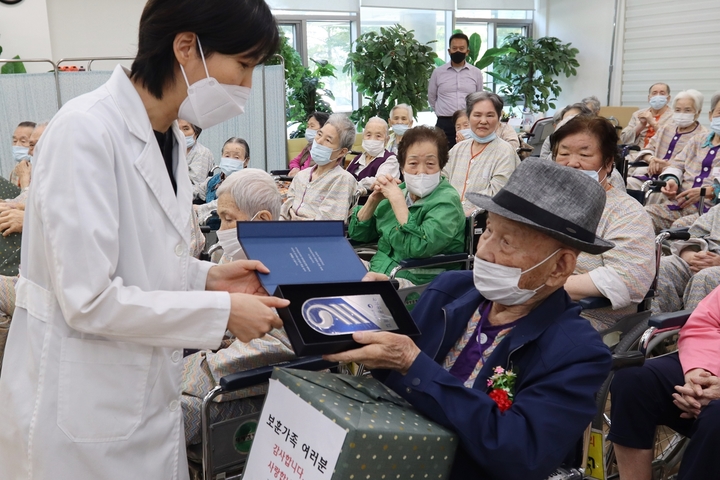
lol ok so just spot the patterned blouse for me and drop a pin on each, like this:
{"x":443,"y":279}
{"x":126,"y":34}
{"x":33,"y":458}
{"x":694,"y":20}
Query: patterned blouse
{"x":327,"y":196}
{"x":467,"y":357}
{"x":622,"y":274}
{"x":486,"y":173}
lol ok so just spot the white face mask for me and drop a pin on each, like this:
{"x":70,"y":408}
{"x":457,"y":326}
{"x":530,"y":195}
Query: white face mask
{"x":189,"y":141}
{"x":374,"y":148}
{"x":209,"y":102}
{"x":321,"y":154}
{"x":683,"y":120}
{"x":400,"y":129}
{"x":466,"y":133}
{"x":658,"y":102}
{"x":421,"y":184}
{"x":229,"y":165}
{"x":230,"y":244}
{"x":499,"y":283}
{"x":594,"y":174}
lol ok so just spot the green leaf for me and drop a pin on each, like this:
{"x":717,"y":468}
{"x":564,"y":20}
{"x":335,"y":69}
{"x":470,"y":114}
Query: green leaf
{"x":475,"y":45}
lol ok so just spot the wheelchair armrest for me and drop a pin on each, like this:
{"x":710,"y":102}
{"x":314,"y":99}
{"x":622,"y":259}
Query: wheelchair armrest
{"x":677,"y":233}
{"x":669,"y":320}
{"x":256,"y":376}
{"x":591,"y":303}
{"x":632,"y":358}
{"x":525,"y":150}
{"x":279,"y":172}
{"x":436,"y":260}
{"x":639,"y":163}
{"x":205,"y":228}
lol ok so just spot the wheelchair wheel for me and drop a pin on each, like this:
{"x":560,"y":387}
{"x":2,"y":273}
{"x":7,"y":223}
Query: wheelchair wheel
{"x":669,"y":445}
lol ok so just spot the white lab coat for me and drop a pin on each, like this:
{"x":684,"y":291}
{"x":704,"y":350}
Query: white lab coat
{"x":107,"y":299}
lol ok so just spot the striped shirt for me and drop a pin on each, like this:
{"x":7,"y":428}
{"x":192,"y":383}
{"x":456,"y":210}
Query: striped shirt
{"x":327,"y":196}
{"x":667,"y":143}
{"x":628,"y":135}
{"x":486,"y":173}
{"x":622,"y":274}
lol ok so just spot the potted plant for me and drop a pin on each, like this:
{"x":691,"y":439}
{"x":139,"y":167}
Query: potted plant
{"x":12,"y":67}
{"x":530,"y":72}
{"x":306,"y":92}
{"x":388,"y":68}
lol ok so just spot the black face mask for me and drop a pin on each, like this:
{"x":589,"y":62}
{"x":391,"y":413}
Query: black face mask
{"x":458,"y":57}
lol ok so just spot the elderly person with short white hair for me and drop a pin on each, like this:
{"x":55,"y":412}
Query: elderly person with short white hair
{"x":325,"y":191}
{"x":484,"y":162}
{"x":670,"y":139}
{"x":401,"y":119}
{"x":247,"y":195}
{"x":697,"y":166}
{"x":376,"y":160}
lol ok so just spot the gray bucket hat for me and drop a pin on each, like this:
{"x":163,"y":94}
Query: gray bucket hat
{"x":561,"y":202}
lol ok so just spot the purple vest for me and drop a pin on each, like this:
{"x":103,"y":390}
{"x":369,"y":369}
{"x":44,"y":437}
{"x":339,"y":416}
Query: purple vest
{"x":369,"y":170}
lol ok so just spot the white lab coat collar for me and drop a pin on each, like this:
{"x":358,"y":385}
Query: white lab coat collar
{"x":150,"y":163}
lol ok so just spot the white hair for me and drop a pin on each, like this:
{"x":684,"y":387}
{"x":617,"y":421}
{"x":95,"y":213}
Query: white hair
{"x":696,"y":97}
{"x":252,"y":190}
{"x":380,"y":120}
{"x":345,"y":129}
{"x":405,"y":106}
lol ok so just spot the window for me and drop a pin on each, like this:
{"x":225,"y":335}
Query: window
{"x":323,"y":36}
{"x":427,"y":25}
{"x":493,"y":26}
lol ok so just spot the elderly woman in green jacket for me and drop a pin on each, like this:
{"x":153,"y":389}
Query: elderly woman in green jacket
{"x":416,"y":219}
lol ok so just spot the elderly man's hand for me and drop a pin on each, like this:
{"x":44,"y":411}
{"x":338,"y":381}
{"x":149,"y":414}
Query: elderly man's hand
{"x":375,"y":277}
{"x":382,"y":350}
{"x":11,"y":221}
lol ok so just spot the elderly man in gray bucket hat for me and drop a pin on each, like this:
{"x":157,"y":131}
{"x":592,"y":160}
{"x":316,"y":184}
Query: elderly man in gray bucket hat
{"x":505,"y":360}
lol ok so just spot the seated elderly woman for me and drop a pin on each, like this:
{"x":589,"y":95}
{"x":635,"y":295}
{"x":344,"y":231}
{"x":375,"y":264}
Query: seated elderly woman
{"x":463,"y":131}
{"x":484,"y":162}
{"x":247,"y":195}
{"x":417,"y":219}
{"x":235,"y":156}
{"x":625,"y":273}
{"x":681,"y":391}
{"x":376,"y":160}
{"x":315,"y":122}
{"x":509,"y":320}
{"x":695,"y":167}
{"x":325,"y":191}
{"x":670,"y":138}
{"x":401,"y":119}
{"x":561,"y":118}
{"x":693,"y":270}
{"x":199,"y":158}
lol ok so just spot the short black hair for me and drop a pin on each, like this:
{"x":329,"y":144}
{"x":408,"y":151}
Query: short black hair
{"x":239,"y":141}
{"x":423,"y":133}
{"x":27,"y":124}
{"x":458,"y":35}
{"x":321,"y":117}
{"x":229,"y":27}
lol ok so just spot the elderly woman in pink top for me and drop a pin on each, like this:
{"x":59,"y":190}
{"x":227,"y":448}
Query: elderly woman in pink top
{"x":681,"y":391}
{"x":315,"y":122}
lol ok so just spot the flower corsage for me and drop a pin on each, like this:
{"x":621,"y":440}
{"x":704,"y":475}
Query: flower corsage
{"x":501,"y":387}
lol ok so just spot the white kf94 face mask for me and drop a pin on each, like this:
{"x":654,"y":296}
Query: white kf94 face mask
{"x":422,"y":184}
{"x":499,"y":283}
{"x":210,"y":102}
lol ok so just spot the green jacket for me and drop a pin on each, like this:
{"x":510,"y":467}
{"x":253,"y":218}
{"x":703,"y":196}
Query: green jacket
{"x":436,"y":224}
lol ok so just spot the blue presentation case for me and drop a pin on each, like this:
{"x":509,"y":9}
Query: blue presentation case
{"x":312,"y":259}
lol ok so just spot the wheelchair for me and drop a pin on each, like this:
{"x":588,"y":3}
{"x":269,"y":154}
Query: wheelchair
{"x":225,"y":445}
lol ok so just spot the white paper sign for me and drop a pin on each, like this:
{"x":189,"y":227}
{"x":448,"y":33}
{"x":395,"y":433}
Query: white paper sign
{"x":293,"y":440}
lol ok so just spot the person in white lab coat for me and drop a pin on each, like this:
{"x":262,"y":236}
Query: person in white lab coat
{"x":108,"y":295}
